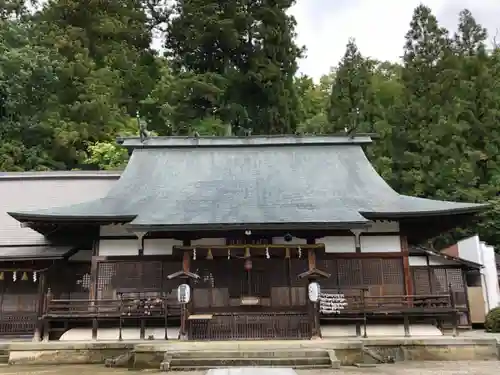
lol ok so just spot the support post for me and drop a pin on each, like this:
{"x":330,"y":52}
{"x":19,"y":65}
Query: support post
{"x":363,"y":304}
{"x":313,"y":307}
{"x":94,"y":277}
{"x":406,"y":269}
{"x":140,"y":242}
{"x":142,"y":332}
{"x":357,"y":239}
{"x":165,"y":312}
{"x":95,"y":326}
{"x":186,"y":266}
{"x":454,"y":311}
{"x":42,"y":284}
{"x":46,"y":321}
{"x":120,"y":327}
{"x":406,"y":322}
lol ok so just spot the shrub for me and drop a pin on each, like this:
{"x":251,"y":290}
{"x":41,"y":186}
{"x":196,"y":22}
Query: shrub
{"x":492,"y":321}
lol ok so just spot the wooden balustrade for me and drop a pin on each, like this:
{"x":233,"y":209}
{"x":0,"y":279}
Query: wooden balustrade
{"x":222,"y":325}
{"x":110,"y":308}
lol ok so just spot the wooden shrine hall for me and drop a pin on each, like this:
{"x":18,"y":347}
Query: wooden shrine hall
{"x":249,"y":224}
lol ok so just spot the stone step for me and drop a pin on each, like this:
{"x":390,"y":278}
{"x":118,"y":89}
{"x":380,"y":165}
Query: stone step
{"x":4,"y":358}
{"x":250,"y":362}
{"x":202,"y":368}
{"x":249,"y":354}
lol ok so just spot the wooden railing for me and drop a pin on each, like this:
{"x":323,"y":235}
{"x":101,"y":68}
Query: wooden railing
{"x":389,"y":304}
{"x":109,"y":308}
{"x":362,"y":307}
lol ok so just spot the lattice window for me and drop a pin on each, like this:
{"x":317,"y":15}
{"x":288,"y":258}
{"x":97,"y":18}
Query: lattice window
{"x":393,"y":277}
{"x":421,"y":281}
{"x":350,"y":273}
{"x":72,"y":281}
{"x":455,"y":278}
{"x":439,"y":282}
{"x":330,"y":266}
{"x":380,"y":276}
{"x":84,"y":282}
{"x":372,"y":272}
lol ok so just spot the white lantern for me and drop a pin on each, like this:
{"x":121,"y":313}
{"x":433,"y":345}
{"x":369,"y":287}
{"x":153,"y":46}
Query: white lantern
{"x":313,"y":292}
{"x":183,"y":293}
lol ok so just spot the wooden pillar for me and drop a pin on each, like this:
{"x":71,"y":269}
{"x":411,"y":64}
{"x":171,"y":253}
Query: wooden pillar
{"x":466,"y":291}
{"x":357,"y":239}
{"x":94,"y":277}
{"x":313,"y":307}
{"x":406,"y":268}
{"x":46,"y":322}
{"x":185,"y":308}
{"x":42,"y":288}
{"x":140,"y":242}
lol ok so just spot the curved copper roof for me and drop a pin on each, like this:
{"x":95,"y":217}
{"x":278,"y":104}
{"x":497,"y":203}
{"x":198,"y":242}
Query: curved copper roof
{"x":175,"y":183}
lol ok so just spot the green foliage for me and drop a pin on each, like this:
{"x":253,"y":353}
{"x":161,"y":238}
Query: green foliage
{"x":107,"y":156}
{"x":73,"y":74}
{"x":492,"y":321}
{"x":235,"y":61}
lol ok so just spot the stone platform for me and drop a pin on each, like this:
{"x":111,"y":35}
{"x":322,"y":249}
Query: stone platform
{"x":348,"y":351}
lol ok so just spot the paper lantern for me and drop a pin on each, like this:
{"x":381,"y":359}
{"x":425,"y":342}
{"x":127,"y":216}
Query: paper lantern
{"x":248,"y":264}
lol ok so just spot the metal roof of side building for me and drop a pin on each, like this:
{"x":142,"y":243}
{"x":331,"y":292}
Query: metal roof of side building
{"x":196,"y":183}
{"x":46,"y":175}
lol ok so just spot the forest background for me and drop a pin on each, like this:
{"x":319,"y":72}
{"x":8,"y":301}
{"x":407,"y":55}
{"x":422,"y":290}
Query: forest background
{"x":74,"y":74}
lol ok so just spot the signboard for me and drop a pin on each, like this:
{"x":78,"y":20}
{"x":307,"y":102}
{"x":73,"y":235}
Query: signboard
{"x":332,"y":303}
{"x":183,"y":293}
{"x":313,"y":291}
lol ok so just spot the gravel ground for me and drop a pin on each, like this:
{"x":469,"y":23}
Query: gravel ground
{"x":407,"y":368}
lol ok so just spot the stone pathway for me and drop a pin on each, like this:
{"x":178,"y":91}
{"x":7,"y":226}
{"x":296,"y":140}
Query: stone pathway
{"x":407,"y":368}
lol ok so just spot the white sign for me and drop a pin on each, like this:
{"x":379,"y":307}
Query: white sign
{"x":332,"y":303}
{"x":183,"y":293}
{"x":313,"y":291}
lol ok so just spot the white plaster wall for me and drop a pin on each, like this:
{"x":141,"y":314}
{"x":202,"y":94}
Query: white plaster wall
{"x":469,"y":249}
{"x":490,"y":275}
{"x":160,"y":246}
{"x":474,"y":250}
{"x":112,"y":334}
{"x":129,"y":247}
{"x":380,"y":330}
{"x":338,"y":244}
{"x":437,"y":261}
{"x":380,"y":244}
{"x":209,"y":242}
{"x":114,"y":231}
{"x":383,"y":226}
{"x":294,"y":241}
{"x":419,"y":261}
{"x":118,"y":247}
{"x":327,"y":331}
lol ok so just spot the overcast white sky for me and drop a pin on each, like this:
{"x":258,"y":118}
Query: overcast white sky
{"x":379,"y":26}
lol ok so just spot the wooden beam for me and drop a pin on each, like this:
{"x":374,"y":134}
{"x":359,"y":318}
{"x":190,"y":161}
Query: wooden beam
{"x":361,"y":255}
{"x":250,"y":246}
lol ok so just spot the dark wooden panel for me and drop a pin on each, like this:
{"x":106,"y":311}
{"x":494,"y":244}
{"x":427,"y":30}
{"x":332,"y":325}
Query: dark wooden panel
{"x":18,"y":304}
{"x":380,"y":276}
{"x":69,"y":280}
{"x":258,"y":326}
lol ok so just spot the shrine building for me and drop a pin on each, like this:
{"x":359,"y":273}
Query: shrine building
{"x":248,"y":223}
